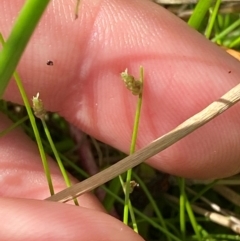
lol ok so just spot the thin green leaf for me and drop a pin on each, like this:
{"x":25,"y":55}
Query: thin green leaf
{"x":18,"y":39}
{"x":199,"y":13}
{"x":212,"y":19}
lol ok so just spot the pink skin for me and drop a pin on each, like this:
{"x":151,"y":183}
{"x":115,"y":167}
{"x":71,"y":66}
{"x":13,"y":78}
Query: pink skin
{"x":183,"y":74}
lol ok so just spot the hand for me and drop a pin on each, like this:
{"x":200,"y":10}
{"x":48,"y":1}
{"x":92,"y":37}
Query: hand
{"x":183,"y":74}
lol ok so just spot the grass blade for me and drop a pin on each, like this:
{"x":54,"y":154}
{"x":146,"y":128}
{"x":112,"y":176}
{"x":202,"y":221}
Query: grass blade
{"x":199,"y":13}
{"x":18,"y":39}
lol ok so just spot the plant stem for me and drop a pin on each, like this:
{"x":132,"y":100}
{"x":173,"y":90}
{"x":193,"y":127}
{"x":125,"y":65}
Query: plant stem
{"x":55,"y":152}
{"x":13,"y":49}
{"x":132,"y":148}
{"x":34,"y":126}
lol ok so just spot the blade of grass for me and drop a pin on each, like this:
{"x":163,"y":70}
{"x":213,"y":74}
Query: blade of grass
{"x":220,"y":20}
{"x":235,"y":43}
{"x":108,"y":201}
{"x":212,"y":19}
{"x":132,"y":147}
{"x":18,"y":39}
{"x":16,"y":124}
{"x":36,"y":132}
{"x":204,"y":190}
{"x":154,"y":205}
{"x":216,"y":29}
{"x":34,"y":126}
{"x":40,"y":113}
{"x":192,"y":218}
{"x":226,"y":21}
{"x":226,"y":31}
{"x":134,"y":223}
{"x":182,"y":203}
{"x":199,"y":13}
{"x":59,"y":161}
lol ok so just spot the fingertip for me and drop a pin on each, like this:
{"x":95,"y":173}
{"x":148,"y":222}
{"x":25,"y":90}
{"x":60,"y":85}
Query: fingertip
{"x":42,"y":220}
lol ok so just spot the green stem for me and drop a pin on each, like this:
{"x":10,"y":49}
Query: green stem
{"x":132,"y":149}
{"x":34,"y":126}
{"x":21,"y":32}
{"x":55,"y":152}
{"x":184,"y":203}
{"x":199,"y":13}
{"x":16,"y":124}
{"x":135,"y":228}
{"x":192,"y":218}
{"x":182,"y":208}
{"x":226,"y":31}
{"x":204,"y":190}
{"x":36,"y":132}
{"x":154,"y":205}
{"x":212,"y":19}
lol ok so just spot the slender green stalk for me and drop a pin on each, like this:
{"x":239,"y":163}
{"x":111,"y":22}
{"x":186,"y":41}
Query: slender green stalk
{"x":227,"y":21}
{"x":135,"y":227}
{"x":220,"y":21}
{"x":34,"y":126}
{"x":153,"y":203}
{"x":99,"y":152}
{"x":204,"y":190}
{"x":212,"y":19}
{"x":199,"y":13}
{"x":203,"y":232}
{"x":217,"y":30}
{"x":18,"y":39}
{"x":182,"y":202}
{"x":16,"y":124}
{"x":60,"y":164}
{"x":132,"y":148}
{"x":235,"y":43}
{"x":40,"y":112}
{"x":192,"y":218}
{"x":108,"y":201}
{"x":226,"y":31}
{"x":36,"y":132}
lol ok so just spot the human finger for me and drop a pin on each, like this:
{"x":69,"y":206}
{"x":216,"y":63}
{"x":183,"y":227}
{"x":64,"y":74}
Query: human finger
{"x":183,"y":73}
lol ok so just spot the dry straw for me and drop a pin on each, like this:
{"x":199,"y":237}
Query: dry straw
{"x":184,"y":129}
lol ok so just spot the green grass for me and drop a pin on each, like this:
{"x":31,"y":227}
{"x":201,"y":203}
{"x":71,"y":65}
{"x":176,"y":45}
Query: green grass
{"x":16,"y":43}
{"x":176,"y":215}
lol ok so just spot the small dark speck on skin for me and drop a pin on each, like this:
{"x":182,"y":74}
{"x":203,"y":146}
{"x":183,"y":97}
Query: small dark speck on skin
{"x":229,"y":71}
{"x":50,"y":62}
